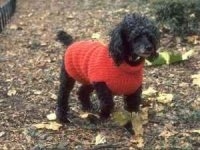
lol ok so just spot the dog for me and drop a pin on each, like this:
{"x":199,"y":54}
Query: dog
{"x":113,"y":69}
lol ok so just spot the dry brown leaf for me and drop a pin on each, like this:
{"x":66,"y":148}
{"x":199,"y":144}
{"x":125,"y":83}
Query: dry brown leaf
{"x":139,"y":141}
{"x":194,"y":39}
{"x":167,"y":133}
{"x":51,"y":126}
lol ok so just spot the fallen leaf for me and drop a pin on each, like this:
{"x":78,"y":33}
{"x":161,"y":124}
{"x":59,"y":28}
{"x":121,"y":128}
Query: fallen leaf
{"x":53,"y":96}
{"x":51,"y":126}
{"x":149,"y":92}
{"x":137,"y":123}
{"x":166,"y":57}
{"x":96,"y":35}
{"x":196,"y":79}
{"x":195,"y":131}
{"x":51,"y":116}
{"x":121,"y":117}
{"x":40,"y":125}
{"x":100,"y":139}
{"x":137,"y":119}
{"x":11,"y":92}
{"x":13,"y":27}
{"x":160,"y":60}
{"x":164,"y":98}
{"x":194,"y":39}
{"x":188,"y":54}
{"x":2,"y":133}
{"x":36,"y":92}
{"x":139,"y":141}
{"x":167,"y":133}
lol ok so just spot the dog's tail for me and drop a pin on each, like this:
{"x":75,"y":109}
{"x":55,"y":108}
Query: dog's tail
{"x":64,"y":38}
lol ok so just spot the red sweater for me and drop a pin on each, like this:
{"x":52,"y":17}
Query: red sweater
{"x":89,"y":62}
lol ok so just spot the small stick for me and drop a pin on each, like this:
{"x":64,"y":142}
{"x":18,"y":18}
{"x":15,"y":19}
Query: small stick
{"x":109,"y":145}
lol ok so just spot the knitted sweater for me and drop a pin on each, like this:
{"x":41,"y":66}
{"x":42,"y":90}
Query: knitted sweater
{"x":89,"y":62}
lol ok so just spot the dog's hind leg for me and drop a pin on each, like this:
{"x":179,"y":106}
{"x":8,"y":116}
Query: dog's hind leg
{"x":66,"y":85}
{"x":106,"y":100}
{"x":84,"y":96}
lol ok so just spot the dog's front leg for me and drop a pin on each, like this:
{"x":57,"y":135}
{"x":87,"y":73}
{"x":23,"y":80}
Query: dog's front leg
{"x":106,"y":100}
{"x":132,"y":102}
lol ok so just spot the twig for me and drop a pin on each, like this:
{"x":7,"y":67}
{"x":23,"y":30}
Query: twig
{"x":109,"y":145}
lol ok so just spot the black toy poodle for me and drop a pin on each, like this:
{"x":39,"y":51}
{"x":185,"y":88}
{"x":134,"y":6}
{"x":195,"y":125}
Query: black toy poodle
{"x":115,"y":69}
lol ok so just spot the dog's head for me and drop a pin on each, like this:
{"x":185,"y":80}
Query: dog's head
{"x":133,"y":40}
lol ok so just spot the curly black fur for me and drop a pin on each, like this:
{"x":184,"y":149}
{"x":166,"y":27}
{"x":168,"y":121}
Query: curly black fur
{"x":133,"y":40}
{"x":134,"y":33}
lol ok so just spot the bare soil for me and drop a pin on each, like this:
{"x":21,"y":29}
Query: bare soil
{"x":30,"y":60}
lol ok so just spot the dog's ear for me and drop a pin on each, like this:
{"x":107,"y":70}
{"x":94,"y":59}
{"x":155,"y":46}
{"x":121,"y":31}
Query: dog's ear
{"x":116,"y":47}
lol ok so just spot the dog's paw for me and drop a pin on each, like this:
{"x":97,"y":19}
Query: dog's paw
{"x":61,"y":115}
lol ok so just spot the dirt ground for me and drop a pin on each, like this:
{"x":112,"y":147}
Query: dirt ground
{"x":30,"y":60}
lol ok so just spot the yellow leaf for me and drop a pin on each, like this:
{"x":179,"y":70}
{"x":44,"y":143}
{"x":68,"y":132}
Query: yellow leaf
{"x":96,"y":35}
{"x":50,"y":126}
{"x":53,"y":126}
{"x":122,"y":117}
{"x":188,"y":54}
{"x":51,"y":116}
{"x":11,"y":92}
{"x":196,"y":79}
{"x":100,"y":139}
{"x":149,"y":92}
{"x":195,"y":131}
{"x":40,"y":125}
{"x":164,"y":98}
{"x":137,"y":123}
